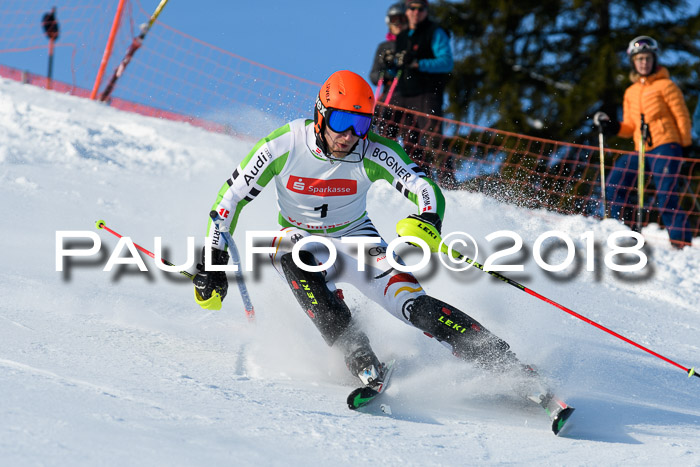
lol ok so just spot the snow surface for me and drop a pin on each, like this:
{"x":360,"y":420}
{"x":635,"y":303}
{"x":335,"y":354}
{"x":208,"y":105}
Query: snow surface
{"x":123,"y":368}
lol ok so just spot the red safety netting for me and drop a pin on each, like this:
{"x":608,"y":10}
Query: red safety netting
{"x":84,"y":27}
{"x":539,"y":173}
{"x":172,"y":71}
{"x":174,"y":75}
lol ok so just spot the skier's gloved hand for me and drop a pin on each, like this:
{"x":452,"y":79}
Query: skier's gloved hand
{"x":431,"y":218}
{"x":210,"y":287}
{"x":426,"y":226}
{"x":607,"y":126}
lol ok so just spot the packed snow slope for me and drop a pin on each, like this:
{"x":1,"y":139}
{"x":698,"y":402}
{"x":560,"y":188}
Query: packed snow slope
{"x":123,"y":368}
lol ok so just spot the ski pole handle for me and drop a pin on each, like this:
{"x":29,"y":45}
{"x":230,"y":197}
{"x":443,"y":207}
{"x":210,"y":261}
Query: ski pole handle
{"x":235,"y":257}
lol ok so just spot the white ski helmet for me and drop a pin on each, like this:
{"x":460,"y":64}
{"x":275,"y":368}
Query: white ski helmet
{"x":397,"y":9}
{"x":642,"y":44}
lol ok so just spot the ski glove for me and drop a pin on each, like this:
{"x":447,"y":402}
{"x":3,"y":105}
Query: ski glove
{"x":607,"y":127}
{"x":210,"y":287}
{"x":414,"y":226}
{"x":431,"y":218}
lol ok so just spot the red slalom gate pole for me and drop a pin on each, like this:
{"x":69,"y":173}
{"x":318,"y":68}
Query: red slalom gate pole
{"x":108,"y":48}
{"x":459,"y":256}
{"x":135,"y":44}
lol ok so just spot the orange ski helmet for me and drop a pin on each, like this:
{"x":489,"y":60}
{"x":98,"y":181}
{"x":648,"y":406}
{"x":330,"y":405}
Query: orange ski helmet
{"x":345,"y":101}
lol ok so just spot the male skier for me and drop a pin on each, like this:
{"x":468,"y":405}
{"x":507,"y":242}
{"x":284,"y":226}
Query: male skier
{"x":322,"y":170}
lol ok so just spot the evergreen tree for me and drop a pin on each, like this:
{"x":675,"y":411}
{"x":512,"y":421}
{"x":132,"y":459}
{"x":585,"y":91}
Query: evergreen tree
{"x":544,"y":67}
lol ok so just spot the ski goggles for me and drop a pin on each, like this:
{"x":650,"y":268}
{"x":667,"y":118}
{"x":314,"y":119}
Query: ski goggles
{"x":397,"y":19}
{"x":340,"y":121}
{"x":642,"y":44}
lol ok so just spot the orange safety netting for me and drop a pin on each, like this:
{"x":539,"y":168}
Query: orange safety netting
{"x":84,"y":26}
{"x":540,"y":173}
{"x":174,"y":75}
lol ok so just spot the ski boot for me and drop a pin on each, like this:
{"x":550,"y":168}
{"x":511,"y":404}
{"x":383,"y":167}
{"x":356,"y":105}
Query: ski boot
{"x":364,"y":363}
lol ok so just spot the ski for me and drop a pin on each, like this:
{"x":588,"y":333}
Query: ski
{"x":366,"y":394}
{"x":557,"y":410}
{"x":560,"y":418}
{"x":536,"y":390}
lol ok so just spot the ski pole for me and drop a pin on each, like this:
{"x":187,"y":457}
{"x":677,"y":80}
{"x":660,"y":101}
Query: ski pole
{"x":408,"y":227}
{"x":640,"y":173}
{"x":244,"y":293}
{"x":101,"y":225}
{"x":390,"y":94}
{"x":135,"y":44}
{"x":601,"y":144}
{"x":380,"y":83}
{"x":459,"y":256}
{"x":249,"y":310}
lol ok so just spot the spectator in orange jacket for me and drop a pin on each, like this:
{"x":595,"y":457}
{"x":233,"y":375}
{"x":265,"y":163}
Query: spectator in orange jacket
{"x":656,"y":99}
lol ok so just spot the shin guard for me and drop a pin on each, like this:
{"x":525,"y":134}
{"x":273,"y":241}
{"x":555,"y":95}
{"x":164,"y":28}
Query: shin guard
{"x":328,"y":312}
{"x":468,"y":339}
